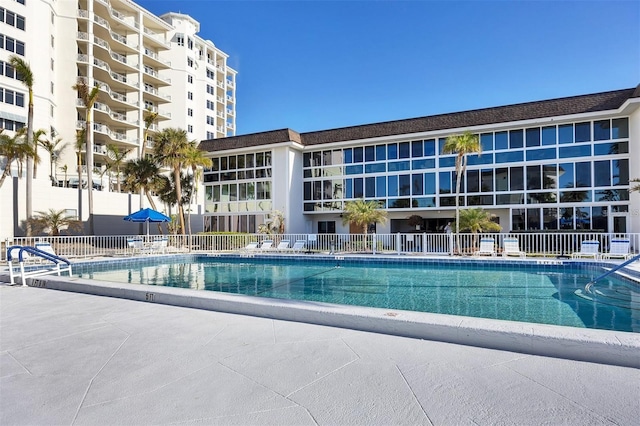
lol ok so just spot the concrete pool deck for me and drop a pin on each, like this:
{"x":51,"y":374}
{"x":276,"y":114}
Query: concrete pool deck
{"x":71,"y":358}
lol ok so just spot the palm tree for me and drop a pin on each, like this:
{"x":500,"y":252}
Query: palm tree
{"x":142,"y":174}
{"x":37,"y":141}
{"x":13,"y":149}
{"x":171,"y":148}
{"x":116,"y":159}
{"x":363,"y":213}
{"x":477,"y":220}
{"x":54,"y":221}
{"x":196,"y":159}
{"x":89,"y":96}
{"x":25,"y":75}
{"x":150,"y":117}
{"x":461,"y":145}
{"x":633,"y":188}
{"x":54,"y":153}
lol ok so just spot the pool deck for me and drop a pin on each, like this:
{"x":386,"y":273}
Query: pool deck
{"x":72,"y":358}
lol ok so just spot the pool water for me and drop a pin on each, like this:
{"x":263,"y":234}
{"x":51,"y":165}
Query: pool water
{"x":545,"y":296}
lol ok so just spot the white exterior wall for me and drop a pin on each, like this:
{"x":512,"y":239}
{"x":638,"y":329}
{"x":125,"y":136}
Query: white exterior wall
{"x":634,"y":169}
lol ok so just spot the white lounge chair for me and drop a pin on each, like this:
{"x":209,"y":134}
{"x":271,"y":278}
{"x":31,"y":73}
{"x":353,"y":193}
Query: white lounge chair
{"x":283,"y":245}
{"x":252,"y":246}
{"x":266,"y":245}
{"x":511,"y":247}
{"x":159,"y":246}
{"x":487,"y":247}
{"x":46,"y":247}
{"x":619,"y":248}
{"x":298,"y":246}
{"x":588,"y":248}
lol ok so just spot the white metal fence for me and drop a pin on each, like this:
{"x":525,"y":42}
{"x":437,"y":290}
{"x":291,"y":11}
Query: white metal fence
{"x":534,"y":244}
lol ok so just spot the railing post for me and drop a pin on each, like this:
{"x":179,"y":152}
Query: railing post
{"x":398,"y":243}
{"x":374,"y":242}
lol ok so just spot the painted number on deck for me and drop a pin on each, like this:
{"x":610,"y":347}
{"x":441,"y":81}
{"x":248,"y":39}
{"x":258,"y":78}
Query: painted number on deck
{"x":149,"y":297}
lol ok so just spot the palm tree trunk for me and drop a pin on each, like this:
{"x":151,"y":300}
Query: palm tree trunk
{"x":176,"y":174}
{"x":89,"y":148}
{"x":30,"y":164}
{"x":458,"y":174}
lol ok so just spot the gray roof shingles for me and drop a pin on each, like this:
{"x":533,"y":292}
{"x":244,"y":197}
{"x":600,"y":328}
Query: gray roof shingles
{"x":524,"y":111}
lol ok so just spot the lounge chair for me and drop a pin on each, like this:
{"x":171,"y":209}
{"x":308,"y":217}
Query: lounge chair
{"x":619,"y":248}
{"x":298,"y":246}
{"x":512,"y":248}
{"x":159,"y":246}
{"x":588,"y":248}
{"x":135,"y":244}
{"x":487,"y":247}
{"x":46,"y":247}
{"x":283,"y":245}
{"x":266,"y":245}
{"x":252,"y":246}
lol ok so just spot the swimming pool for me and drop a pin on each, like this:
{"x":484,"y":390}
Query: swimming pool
{"x":515,"y":291}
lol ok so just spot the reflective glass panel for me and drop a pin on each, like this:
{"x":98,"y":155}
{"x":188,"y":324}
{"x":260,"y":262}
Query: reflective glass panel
{"x":357,"y":155}
{"x":486,"y":141}
{"x":611,"y":148}
{"x":447,"y":161}
{"x":416,"y":149}
{"x":502,"y":179}
{"x":429,"y":183}
{"x":575,"y":151}
{"x":575,"y":196}
{"x":381,"y":152}
{"x":357,"y":188}
{"x":445,"y":182}
{"x":533,"y":219}
{"x":404,"y":183}
{"x":549,"y":135}
{"x":399,"y":166}
{"x":392,"y":151}
{"x":583,"y":174}
{"x":392,"y":186}
{"x":381,"y":186}
{"x":416,"y":184}
{"x":516,"y":139}
{"x":370,"y":187}
{"x":583,"y":132}
{"x":429,"y":147}
{"x":404,"y":150}
{"x":473,"y":180}
{"x":620,"y":128}
{"x":426,"y":163}
{"x":541,"y":154}
{"x":516,"y":176}
{"x":533,"y":136}
{"x":565,"y":173}
{"x":369,"y":153}
{"x":502,"y":140}
{"x":375,"y":168}
{"x":620,"y":172}
{"x":565,"y":133}
{"x":348,"y":156}
{"x":509,"y":156}
{"x":486,"y":180}
{"x":601,"y":130}
{"x":602,"y":173}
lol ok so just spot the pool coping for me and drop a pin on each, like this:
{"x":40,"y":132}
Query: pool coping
{"x":581,"y":344}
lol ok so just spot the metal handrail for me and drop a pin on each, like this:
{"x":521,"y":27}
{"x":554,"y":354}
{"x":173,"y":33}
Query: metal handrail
{"x":611,"y":271}
{"x":57,"y":260}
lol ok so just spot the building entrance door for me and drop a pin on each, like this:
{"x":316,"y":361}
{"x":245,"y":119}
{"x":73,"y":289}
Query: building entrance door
{"x":618,"y":223}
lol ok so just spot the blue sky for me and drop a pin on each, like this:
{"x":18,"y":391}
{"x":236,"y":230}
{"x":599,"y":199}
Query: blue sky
{"x":316,"y":65}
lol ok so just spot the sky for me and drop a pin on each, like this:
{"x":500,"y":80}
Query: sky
{"x":317,"y":65}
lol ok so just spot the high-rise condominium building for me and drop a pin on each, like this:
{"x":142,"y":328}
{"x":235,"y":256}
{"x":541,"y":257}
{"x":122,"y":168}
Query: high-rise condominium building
{"x":138,"y":60}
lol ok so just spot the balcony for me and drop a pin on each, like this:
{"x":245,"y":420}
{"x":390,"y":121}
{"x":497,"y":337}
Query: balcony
{"x":155,"y":93}
{"x":156,"y":38}
{"x":159,"y":62}
{"x":155,"y":76}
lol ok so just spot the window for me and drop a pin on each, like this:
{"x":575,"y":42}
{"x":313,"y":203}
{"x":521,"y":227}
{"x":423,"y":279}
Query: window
{"x":190,"y":96}
{"x":180,"y":39}
{"x":190,"y":128}
{"x":190,"y":112}
{"x":327,"y":227}
{"x":190,"y":78}
{"x":190,"y":64}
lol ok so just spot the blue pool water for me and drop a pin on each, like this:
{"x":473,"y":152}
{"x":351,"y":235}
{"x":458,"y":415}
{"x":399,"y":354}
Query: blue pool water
{"x":545,"y":295}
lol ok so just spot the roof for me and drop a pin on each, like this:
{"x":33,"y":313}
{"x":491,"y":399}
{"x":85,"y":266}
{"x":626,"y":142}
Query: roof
{"x":525,"y":111}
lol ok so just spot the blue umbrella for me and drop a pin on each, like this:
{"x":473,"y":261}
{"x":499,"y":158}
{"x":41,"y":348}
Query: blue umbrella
{"x":147,"y":215}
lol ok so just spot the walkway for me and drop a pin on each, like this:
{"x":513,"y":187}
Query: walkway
{"x":68,"y":358}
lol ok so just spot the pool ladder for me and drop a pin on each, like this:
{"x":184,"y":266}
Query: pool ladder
{"x":60,"y":264}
